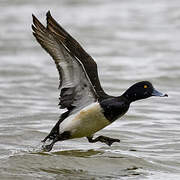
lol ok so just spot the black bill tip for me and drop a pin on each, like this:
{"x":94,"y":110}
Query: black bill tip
{"x":157,"y":93}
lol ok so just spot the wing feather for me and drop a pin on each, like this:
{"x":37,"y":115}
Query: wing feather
{"x":76,"y":49}
{"x":76,"y":90}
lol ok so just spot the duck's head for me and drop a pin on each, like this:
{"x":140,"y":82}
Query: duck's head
{"x":142,"y":90}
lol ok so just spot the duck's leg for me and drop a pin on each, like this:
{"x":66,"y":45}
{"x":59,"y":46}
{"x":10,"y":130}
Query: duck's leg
{"x":49,"y":147}
{"x":61,"y":137}
{"x":55,"y":130}
{"x":103,"y":139}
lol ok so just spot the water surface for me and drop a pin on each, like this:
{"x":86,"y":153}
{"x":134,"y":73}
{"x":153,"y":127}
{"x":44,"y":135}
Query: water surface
{"x":131,"y":41}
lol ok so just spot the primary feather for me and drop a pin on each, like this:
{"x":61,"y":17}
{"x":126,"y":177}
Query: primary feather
{"x":76,"y":90}
{"x":76,"y":50}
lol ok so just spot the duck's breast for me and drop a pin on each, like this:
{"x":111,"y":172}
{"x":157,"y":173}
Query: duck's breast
{"x":86,"y":122}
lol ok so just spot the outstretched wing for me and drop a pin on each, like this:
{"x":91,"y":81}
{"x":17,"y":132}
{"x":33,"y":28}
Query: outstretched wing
{"x":76,"y":90}
{"x":75,"y":48}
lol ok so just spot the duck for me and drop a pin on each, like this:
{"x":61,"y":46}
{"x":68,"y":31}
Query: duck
{"x":88,"y":108}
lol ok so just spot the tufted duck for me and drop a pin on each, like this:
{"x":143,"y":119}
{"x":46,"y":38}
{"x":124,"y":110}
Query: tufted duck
{"x":89,"y":108}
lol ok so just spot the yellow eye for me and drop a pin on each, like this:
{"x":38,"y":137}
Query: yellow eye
{"x":145,"y":86}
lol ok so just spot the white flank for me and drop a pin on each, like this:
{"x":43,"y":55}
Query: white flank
{"x":86,"y":122}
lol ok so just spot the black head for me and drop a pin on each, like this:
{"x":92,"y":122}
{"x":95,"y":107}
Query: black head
{"x":142,"y":90}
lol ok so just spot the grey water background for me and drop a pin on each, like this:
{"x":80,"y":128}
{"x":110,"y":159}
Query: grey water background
{"x":130,"y":41}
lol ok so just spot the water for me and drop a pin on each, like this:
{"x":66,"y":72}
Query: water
{"x":131,"y":41}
